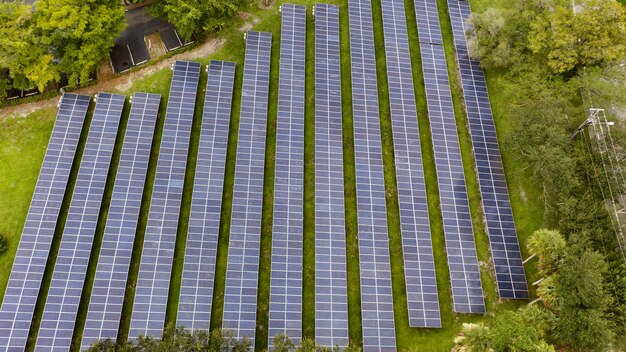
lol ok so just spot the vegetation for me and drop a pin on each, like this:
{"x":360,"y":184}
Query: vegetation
{"x":178,"y":339}
{"x":59,"y":36}
{"x":553,"y":65}
{"x":574,"y":311}
{"x":194,"y":16}
{"x":4,"y":245}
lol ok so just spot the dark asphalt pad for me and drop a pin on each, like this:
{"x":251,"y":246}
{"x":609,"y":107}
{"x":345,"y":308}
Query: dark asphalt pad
{"x":139,"y":50}
{"x":120,"y":58}
{"x":170,"y":39}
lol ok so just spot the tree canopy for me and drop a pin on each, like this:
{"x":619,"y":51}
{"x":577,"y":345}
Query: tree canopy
{"x":79,"y":32}
{"x":70,"y":36}
{"x":564,"y":38}
{"x":193,"y":16}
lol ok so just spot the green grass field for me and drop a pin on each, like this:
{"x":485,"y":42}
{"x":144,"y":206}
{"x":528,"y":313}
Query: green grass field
{"x":23,"y":142}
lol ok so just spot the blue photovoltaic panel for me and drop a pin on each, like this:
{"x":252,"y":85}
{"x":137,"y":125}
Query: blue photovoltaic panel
{"x":196,"y":292}
{"x":376,"y":295}
{"x":153,"y":282}
{"x":331,"y":284}
{"x":20,"y":296}
{"x":467,"y":293}
{"x":428,"y":27}
{"x":242,"y":271}
{"x":417,"y":249}
{"x":107,"y":294}
{"x":285,"y":310}
{"x":70,"y":269}
{"x":505,"y":249}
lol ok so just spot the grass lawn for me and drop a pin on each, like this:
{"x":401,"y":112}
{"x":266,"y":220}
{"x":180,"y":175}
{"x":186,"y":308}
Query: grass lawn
{"x":23,"y":142}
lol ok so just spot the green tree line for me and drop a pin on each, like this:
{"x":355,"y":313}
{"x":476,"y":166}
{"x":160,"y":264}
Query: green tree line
{"x":555,"y":59}
{"x":180,"y":339}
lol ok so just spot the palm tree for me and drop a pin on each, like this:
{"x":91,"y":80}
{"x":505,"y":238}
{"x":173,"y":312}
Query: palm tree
{"x":473,"y":338}
{"x":548,"y":246}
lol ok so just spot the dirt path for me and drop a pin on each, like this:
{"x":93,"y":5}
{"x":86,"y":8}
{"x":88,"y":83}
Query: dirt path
{"x":125,"y":81}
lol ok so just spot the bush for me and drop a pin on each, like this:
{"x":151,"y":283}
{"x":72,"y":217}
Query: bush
{"x":4,"y":244}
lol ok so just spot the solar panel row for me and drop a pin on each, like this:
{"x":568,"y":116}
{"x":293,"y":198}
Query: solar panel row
{"x":240,"y":294}
{"x":285,"y":309}
{"x":148,"y":317}
{"x":24,"y":283}
{"x":467,"y":292}
{"x":331,"y":284}
{"x":66,"y":286}
{"x":376,"y":293}
{"x":460,"y":246}
{"x":196,"y":292}
{"x":428,"y":26}
{"x":505,"y":249}
{"x":417,"y":249}
{"x":107,"y":294}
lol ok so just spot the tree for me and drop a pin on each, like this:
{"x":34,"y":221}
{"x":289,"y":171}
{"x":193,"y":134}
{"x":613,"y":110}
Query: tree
{"x":79,"y":33}
{"x":192,"y":16}
{"x":547,"y":293}
{"x":581,"y":320}
{"x":178,"y":339}
{"x":28,"y":62}
{"x":499,"y":36}
{"x":4,"y":244}
{"x":473,"y":338}
{"x":510,"y":332}
{"x":593,"y":35}
{"x":549,"y":247}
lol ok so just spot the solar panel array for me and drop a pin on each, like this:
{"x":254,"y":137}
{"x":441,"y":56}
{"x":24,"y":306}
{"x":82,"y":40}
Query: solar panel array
{"x":107,"y":294}
{"x":376,"y":293}
{"x":417,"y":249}
{"x":24,"y":283}
{"x":66,"y":286}
{"x":148,"y":317}
{"x":196,"y":293}
{"x":505,"y":249}
{"x":285,"y":309}
{"x":331,"y":283}
{"x":467,"y":294}
{"x":240,"y":293}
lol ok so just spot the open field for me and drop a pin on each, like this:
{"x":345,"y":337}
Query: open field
{"x":23,"y":142}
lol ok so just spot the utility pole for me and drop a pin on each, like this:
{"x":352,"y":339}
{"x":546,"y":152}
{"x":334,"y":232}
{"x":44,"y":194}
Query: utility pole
{"x":613,"y":191}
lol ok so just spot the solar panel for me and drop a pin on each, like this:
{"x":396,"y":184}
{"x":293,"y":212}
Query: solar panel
{"x":428,"y":26}
{"x":66,"y":286}
{"x":285,"y":310}
{"x":196,"y":292}
{"x":240,"y":293}
{"x":153,"y":282}
{"x":331,"y":284}
{"x":505,"y":249}
{"x":417,"y":249}
{"x":20,"y":296}
{"x":467,"y":294}
{"x":375,"y":269}
{"x":107,"y":294}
